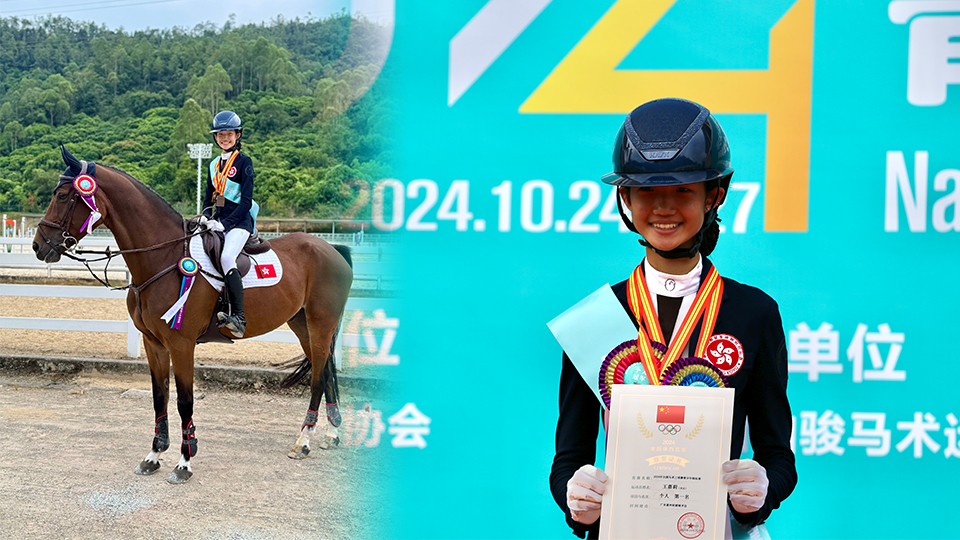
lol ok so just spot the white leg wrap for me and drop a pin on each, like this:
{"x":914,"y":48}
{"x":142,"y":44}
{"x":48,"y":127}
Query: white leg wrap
{"x":304,"y":438}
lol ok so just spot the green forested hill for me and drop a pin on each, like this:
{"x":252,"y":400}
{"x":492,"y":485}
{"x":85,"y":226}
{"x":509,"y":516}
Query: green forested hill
{"x":134,"y":100}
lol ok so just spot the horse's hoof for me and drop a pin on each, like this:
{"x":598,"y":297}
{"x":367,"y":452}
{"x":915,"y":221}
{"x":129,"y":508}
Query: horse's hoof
{"x":299,"y":453}
{"x":146,"y":468}
{"x":179,"y":476}
{"x":329,"y":442}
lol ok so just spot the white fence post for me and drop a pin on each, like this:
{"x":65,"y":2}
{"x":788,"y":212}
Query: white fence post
{"x":133,"y":339}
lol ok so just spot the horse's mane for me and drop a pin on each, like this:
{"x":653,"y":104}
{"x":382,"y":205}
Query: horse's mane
{"x":146,"y":190}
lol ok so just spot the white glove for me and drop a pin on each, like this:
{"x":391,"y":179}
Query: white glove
{"x":746,"y":483}
{"x":584,"y":494}
{"x":214,"y":225}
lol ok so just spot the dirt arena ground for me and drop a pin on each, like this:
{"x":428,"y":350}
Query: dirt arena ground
{"x":69,"y":445}
{"x":68,"y":448}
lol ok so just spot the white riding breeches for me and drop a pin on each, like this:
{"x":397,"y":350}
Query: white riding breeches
{"x":233,"y":243}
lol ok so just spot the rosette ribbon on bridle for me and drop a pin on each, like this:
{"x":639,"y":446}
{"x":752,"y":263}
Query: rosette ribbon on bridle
{"x":189,"y":268}
{"x":86,"y":186}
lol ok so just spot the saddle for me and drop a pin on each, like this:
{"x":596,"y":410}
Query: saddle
{"x":213,"y":247}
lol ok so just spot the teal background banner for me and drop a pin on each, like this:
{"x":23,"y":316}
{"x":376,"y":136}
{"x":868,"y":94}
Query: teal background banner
{"x":844,"y":208}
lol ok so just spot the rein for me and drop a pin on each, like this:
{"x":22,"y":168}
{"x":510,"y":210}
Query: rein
{"x":108,"y":256}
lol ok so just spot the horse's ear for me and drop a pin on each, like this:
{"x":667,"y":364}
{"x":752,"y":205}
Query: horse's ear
{"x":73,"y":164}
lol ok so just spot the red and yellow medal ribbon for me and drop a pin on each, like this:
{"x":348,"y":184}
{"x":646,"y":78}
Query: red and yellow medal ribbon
{"x":706,"y":303}
{"x":220,"y":178}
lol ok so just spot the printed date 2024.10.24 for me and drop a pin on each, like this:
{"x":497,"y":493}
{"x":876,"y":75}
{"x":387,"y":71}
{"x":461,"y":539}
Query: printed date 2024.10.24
{"x":536,"y":206}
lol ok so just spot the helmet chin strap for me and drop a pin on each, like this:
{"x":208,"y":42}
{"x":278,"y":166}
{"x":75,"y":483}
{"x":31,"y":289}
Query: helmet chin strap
{"x":236,"y":144}
{"x":675,"y":253}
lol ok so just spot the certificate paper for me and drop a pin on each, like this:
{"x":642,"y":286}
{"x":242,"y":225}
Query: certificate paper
{"x":665,"y":446}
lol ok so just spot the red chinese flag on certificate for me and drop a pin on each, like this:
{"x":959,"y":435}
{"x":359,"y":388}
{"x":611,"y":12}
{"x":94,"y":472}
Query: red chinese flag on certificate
{"x":265,"y":271}
{"x":670,"y":414}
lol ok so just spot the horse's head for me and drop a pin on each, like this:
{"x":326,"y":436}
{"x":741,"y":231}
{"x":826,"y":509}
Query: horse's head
{"x":66,"y":222}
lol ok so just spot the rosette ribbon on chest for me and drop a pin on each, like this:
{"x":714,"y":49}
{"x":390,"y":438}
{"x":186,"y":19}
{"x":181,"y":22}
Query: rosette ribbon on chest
{"x":647,"y":360}
{"x":189,"y":268}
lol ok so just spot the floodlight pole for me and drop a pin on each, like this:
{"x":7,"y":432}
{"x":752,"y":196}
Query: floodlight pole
{"x":200,"y":152}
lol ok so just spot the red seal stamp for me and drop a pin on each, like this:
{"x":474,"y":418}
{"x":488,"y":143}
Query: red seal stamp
{"x":232,"y":172}
{"x":690,"y":525}
{"x":726,"y":353}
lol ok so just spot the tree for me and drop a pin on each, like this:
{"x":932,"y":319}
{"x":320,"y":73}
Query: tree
{"x":13,"y":130}
{"x":210,"y":89}
{"x":112,"y":95}
{"x":272,"y":117}
{"x":192,"y":126}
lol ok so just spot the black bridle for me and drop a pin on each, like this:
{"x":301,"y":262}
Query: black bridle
{"x":69,"y":243}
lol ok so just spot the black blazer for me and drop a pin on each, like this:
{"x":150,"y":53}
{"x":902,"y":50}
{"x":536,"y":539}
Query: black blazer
{"x":760,"y":385}
{"x":233,"y":214}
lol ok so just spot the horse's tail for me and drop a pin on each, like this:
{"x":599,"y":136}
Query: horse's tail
{"x":345,"y":252}
{"x":305,"y":367}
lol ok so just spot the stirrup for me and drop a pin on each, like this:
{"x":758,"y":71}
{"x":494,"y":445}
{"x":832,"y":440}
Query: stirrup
{"x":235,"y":324}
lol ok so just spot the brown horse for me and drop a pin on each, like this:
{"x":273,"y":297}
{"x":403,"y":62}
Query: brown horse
{"x":152,"y":237}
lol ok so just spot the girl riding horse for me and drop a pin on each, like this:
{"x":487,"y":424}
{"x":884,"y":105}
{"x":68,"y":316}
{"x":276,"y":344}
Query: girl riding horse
{"x":153,"y":240}
{"x":228,"y":206}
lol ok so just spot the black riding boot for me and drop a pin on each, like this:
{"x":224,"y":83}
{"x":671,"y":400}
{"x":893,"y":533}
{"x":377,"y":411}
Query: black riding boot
{"x":234,"y":322}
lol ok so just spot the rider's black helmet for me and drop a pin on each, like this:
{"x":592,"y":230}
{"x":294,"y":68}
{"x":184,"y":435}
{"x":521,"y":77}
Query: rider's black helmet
{"x":226,"y":121}
{"x":669,"y":142}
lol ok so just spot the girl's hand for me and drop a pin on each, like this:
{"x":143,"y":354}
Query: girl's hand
{"x":584,"y":494}
{"x":746,"y":483}
{"x":214,"y":225}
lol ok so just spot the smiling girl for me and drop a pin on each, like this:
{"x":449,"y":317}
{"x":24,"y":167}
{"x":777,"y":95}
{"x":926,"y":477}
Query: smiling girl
{"x":672,"y":168}
{"x":229,"y":205}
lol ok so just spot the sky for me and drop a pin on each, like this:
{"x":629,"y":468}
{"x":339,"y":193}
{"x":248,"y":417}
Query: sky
{"x":142,"y":14}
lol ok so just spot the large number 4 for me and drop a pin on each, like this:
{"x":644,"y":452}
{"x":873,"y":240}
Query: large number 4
{"x":459,"y":195}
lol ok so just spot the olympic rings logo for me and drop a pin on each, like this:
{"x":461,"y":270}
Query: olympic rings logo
{"x":669,"y":429}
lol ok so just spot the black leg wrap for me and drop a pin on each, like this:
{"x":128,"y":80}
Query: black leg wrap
{"x":189,"y":445}
{"x":311,"y":419}
{"x":333,"y":414}
{"x":161,"y":439}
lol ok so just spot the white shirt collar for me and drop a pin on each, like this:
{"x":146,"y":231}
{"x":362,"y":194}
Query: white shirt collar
{"x":671,"y":285}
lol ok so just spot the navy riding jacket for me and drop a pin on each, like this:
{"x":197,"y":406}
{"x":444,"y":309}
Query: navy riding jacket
{"x":760,"y":385}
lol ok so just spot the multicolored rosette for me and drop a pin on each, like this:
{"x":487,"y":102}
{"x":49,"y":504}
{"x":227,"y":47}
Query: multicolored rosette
{"x":86,"y":186}
{"x":693,"y":371}
{"x":189,"y":268}
{"x":623,"y":366}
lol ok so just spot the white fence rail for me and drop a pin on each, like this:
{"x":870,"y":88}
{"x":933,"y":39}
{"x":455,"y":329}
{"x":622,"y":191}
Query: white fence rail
{"x":127,"y":327}
{"x":18,"y":253}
